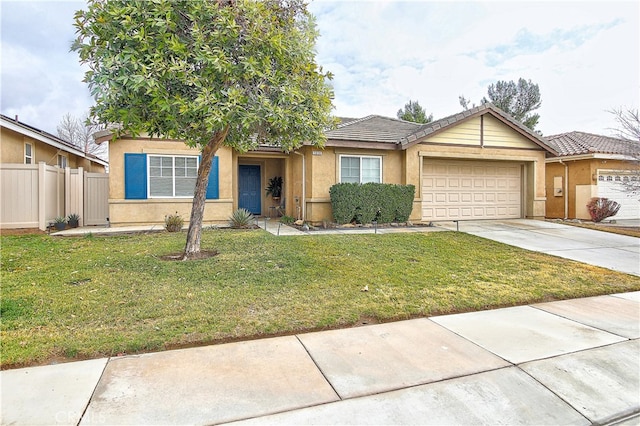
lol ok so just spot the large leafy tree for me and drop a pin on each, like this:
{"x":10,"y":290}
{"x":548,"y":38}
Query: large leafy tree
{"x":209,"y":72}
{"x":414,"y":112}
{"x":518,"y":99}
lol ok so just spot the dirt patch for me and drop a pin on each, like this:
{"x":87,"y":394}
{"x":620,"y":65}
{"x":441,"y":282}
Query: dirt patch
{"x":204,"y":254}
{"x":23,"y":231}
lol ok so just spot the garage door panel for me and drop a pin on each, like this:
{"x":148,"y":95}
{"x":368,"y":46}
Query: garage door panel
{"x":610,"y":186}
{"x":471,"y":190}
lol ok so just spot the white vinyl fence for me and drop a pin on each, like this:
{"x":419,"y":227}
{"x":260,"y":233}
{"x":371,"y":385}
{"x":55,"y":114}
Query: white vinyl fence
{"x":32,"y":195}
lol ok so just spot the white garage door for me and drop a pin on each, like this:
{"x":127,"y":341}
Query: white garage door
{"x":610,"y":185}
{"x":460,"y":190}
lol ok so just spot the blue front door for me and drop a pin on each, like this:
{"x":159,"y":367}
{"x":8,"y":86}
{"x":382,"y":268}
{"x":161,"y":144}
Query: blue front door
{"x":249,"y":188}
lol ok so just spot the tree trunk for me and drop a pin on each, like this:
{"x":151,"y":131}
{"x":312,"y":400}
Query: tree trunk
{"x":192,"y":247}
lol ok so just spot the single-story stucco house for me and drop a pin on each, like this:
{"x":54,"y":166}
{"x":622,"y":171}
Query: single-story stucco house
{"x":478,"y":164}
{"x":587,"y":166}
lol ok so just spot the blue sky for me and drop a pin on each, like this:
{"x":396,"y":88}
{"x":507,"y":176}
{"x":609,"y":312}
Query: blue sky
{"x":585,"y":56}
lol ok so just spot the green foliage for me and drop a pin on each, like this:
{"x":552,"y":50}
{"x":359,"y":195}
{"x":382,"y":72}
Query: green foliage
{"x":412,"y":111}
{"x":173,"y":223}
{"x":60,"y":219}
{"x":364,"y":203}
{"x":73,"y":217}
{"x":274,"y":188}
{"x":241,"y":218}
{"x":188,"y":69}
{"x":516,"y":99}
{"x":602,"y":208}
{"x":287,"y":220}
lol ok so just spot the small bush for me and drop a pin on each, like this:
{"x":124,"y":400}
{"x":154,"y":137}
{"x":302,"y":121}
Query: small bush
{"x":241,"y":218}
{"x":173,"y":223}
{"x":602,"y":208}
{"x":287,"y":220}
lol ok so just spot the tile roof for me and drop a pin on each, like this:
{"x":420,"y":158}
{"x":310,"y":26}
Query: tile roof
{"x":434,"y":126}
{"x":372,"y":128}
{"x":375,"y":128}
{"x":576,"y":143}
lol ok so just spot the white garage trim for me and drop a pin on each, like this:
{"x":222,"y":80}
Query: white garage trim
{"x":465,"y":190}
{"x":611,"y":186}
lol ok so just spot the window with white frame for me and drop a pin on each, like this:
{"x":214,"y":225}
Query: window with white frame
{"x":172,"y":176}
{"x":28,"y":153}
{"x":62,"y":161}
{"x":360,"y":169}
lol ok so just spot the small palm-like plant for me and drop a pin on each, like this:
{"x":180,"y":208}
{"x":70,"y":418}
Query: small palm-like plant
{"x":241,"y":218}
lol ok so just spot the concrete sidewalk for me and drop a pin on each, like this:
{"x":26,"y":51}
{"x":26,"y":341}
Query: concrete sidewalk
{"x":565,"y":362}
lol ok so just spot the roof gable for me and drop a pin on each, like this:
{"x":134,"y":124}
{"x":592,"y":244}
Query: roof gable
{"x":430,"y":129}
{"x":578,"y":143}
{"x":391,"y":133}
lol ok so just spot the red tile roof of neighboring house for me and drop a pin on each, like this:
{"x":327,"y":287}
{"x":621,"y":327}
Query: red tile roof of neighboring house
{"x":577,"y":143}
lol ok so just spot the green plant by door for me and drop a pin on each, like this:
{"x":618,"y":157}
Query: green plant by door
{"x":274,"y":188}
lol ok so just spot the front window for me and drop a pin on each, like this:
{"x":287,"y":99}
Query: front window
{"x":28,"y":153}
{"x":360,"y":169}
{"x":62,"y":161}
{"x":172,"y":176}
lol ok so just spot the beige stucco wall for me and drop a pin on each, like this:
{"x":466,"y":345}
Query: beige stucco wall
{"x":323,"y":171}
{"x":12,"y":151}
{"x":124,"y":212}
{"x":582,"y":172}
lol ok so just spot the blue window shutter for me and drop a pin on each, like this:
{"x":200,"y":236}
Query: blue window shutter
{"x":213,"y":189}
{"x":135,"y":176}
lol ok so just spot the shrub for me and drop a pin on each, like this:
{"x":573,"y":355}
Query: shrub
{"x":173,"y":223}
{"x":602,"y":208}
{"x":241,"y":218}
{"x":287,"y":219}
{"x":364,"y":203}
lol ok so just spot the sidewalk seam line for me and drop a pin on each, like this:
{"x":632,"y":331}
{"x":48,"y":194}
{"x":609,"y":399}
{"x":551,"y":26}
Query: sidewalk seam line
{"x":319,"y":369}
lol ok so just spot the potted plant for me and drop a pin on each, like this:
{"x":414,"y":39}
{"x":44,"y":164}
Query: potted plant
{"x":73,"y":220}
{"x":60,"y":223}
{"x":275,"y":187}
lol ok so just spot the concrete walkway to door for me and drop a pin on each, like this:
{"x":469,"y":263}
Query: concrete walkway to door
{"x":617,"y":252}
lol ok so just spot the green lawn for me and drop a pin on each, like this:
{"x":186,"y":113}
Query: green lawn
{"x":99,"y":296}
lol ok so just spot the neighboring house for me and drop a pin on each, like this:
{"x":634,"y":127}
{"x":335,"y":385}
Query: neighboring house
{"x":589,"y":166}
{"x":41,"y":179}
{"x":24,"y":144}
{"x":478,"y":164}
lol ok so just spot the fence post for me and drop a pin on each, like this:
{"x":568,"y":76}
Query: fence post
{"x":42,"y":200}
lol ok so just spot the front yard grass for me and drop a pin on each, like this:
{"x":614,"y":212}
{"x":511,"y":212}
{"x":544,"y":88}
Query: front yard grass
{"x":87,"y":297}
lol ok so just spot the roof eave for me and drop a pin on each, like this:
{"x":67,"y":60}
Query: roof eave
{"x":49,"y":140}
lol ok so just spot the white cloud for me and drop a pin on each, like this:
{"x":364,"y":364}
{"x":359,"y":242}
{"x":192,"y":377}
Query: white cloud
{"x":583,"y":55}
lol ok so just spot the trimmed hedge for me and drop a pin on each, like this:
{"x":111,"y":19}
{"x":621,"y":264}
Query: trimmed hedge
{"x":364,"y":203}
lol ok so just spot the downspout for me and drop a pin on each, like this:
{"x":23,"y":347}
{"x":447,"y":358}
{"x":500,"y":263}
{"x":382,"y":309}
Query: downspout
{"x":304,"y":185}
{"x":566,"y":189}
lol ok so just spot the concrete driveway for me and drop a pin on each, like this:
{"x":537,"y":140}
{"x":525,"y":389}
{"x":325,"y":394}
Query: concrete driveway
{"x":604,"y":249}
